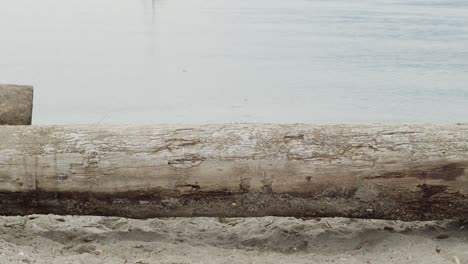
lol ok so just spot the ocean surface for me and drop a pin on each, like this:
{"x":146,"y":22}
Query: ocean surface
{"x":222,"y":61}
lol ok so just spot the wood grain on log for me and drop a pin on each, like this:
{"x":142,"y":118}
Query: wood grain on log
{"x":16,"y":103}
{"x":407,"y":172}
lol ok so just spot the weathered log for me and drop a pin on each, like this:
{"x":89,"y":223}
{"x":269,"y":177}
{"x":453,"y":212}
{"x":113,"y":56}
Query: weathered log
{"x":16,"y":103}
{"x":407,"y":172}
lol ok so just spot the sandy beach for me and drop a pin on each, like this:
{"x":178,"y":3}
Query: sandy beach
{"x":113,"y":78}
{"x":85,"y":239}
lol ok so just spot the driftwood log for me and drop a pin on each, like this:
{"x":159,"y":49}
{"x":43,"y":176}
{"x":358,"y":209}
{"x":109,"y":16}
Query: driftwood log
{"x":16,"y":103}
{"x":406,"y":172}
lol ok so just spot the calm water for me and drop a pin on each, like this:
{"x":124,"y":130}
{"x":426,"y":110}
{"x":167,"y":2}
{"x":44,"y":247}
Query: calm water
{"x":193,"y":61}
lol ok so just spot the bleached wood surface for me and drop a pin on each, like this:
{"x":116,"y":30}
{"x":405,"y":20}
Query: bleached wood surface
{"x":16,"y":102}
{"x":407,"y":172}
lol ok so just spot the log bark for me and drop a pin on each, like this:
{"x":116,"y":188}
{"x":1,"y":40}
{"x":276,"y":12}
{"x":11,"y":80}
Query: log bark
{"x":406,"y":172}
{"x":16,"y":103}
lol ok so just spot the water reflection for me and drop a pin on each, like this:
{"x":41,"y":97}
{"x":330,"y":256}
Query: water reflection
{"x":149,"y":7}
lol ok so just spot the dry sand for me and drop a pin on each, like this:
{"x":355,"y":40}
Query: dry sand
{"x":88,"y":240}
